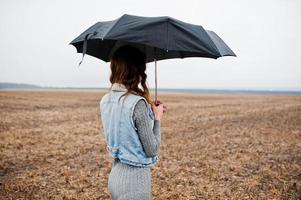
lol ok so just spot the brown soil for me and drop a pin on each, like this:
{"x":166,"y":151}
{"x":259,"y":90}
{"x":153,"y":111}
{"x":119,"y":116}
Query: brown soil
{"x":213,"y":147}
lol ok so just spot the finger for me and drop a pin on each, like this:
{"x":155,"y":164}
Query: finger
{"x":159,"y":101}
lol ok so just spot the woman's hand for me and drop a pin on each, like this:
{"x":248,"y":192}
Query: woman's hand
{"x":159,"y":109}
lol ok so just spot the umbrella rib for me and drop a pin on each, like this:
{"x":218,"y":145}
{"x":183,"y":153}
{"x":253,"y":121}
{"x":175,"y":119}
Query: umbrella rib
{"x":109,"y":30}
{"x":213,"y":43}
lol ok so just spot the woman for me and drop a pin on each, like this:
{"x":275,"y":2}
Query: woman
{"x":131,"y":124}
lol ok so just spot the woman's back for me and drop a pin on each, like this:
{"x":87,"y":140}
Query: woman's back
{"x":120,"y":132}
{"x":131,"y":126}
{"x":130,"y":182}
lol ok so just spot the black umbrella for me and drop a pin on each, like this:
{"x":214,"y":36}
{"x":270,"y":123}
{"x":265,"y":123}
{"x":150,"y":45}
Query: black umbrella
{"x":158,"y":37}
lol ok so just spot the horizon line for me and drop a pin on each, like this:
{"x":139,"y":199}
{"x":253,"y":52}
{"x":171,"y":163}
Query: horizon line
{"x":296,"y":89}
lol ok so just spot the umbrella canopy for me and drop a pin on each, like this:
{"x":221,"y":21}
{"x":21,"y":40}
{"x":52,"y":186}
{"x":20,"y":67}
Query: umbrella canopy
{"x":158,"y":37}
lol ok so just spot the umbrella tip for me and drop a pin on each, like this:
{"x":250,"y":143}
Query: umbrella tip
{"x":80,"y":63}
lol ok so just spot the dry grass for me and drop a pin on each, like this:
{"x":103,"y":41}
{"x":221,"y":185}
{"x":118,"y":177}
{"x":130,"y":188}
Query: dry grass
{"x":213,"y":147}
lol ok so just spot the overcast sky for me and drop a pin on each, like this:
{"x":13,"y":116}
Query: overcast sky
{"x":265,"y":35}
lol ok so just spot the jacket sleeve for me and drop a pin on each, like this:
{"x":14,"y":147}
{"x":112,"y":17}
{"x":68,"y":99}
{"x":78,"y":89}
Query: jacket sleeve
{"x":150,"y":138}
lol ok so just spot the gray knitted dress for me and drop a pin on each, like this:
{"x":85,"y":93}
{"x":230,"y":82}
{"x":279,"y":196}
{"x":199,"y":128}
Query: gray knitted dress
{"x":127,"y":182}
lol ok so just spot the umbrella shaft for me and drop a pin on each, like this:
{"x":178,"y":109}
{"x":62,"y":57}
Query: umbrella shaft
{"x":155,"y":81}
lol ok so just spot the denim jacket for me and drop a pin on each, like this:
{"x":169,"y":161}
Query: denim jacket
{"x":122,"y":140}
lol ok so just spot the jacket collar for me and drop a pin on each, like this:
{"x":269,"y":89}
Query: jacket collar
{"x":118,"y":87}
